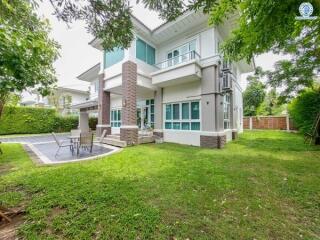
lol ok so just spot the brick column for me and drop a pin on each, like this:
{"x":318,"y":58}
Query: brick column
{"x":129,"y":128}
{"x":103,"y":108}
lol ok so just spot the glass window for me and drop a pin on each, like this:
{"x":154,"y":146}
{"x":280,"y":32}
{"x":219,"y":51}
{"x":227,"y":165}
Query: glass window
{"x":195,"y":110}
{"x":151,"y":55}
{"x":113,"y":57}
{"x":187,"y":120}
{"x":115,"y":118}
{"x":176,"y":125}
{"x":185,"y":126}
{"x":145,"y":52}
{"x":176,"y":112}
{"x":141,"y":50}
{"x":226,"y":110}
{"x":195,"y":126}
{"x":185,"y":111}
{"x":168,"y":111}
{"x":168,"y":125}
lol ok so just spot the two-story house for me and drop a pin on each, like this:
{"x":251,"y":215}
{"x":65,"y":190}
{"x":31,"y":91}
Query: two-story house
{"x":173,"y":80}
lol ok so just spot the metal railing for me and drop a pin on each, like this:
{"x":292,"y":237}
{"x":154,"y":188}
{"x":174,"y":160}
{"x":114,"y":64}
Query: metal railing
{"x":178,"y":59}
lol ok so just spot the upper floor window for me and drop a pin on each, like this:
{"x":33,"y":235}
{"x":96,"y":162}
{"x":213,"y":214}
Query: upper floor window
{"x":113,"y":57}
{"x":145,"y":52}
{"x":181,"y":54}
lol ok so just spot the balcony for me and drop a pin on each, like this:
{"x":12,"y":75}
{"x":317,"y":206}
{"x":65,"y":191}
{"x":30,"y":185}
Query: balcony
{"x":179,"y":69}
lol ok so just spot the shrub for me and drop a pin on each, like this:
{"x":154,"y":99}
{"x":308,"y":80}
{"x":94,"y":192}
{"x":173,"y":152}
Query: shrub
{"x":27,"y":120}
{"x":304,"y":108}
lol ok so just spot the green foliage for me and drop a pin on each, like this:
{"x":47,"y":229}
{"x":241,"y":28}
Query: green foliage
{"x":304,"y":108}
{"x":271,"y":105}
{"x":265,"y":185}
{"x":26,"y":51}
{"x":254,"y":94}
{"x":27,"y":120}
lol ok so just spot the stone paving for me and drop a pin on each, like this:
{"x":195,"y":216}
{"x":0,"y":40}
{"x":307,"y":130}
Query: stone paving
{"x":44,"y":148}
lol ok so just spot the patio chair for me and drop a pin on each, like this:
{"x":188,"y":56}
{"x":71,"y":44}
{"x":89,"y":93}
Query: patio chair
{"x":62,"y":144}
{"x":86,"y":141}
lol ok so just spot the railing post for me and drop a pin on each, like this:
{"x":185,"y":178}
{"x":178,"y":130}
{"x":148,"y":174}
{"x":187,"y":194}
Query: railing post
{"x":288,"y":122}
{"x":250,"y":123}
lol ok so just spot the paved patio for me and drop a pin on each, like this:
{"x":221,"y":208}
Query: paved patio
{"x":44,"y":148}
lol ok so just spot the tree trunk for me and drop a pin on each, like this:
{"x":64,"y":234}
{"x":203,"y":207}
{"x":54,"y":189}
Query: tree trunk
{"x":3,"y":98}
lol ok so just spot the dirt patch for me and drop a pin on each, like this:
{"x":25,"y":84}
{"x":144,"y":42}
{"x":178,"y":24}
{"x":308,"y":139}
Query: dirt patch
{"x":4,"y":169}
{"x":9,"y":230}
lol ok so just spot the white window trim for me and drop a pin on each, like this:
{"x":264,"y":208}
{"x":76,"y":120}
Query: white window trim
{"x":113,"y":121}
{"x":180,"y":120}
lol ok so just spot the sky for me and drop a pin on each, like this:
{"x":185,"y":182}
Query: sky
{"x":76,"y":55}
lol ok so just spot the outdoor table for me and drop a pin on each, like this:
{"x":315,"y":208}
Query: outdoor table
{"x":75,"y":140}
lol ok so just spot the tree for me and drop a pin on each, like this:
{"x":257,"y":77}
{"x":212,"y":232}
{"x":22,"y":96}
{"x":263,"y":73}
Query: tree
{"x":271,"y":105}
{"x":26,"y":51}
{"x":304,"y":108}
{"x":263,"y":25}
{"x":254,"y":94}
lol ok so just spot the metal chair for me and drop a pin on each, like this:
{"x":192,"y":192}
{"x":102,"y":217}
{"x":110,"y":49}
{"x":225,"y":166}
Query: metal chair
{"x":62,"y":144}
{"x":86,"y":141}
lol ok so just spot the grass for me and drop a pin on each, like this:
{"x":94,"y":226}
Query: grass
{"x":266,"y":185}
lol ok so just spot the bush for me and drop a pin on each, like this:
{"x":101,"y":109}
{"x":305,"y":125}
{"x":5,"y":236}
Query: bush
{"x":27,"y":120}
{"x":304,"y":108}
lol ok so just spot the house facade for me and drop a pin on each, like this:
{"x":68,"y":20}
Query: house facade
{"x":173,"y":81}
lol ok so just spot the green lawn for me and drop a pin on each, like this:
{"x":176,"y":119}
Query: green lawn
{"x":266,"y":185}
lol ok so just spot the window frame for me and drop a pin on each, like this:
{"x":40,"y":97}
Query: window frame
{"x":147,"y":45}
{"x":118,"y":120}
{"x":181,"y":121}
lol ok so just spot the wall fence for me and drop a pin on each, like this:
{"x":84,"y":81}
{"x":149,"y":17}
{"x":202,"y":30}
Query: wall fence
{"x":269,"y":122}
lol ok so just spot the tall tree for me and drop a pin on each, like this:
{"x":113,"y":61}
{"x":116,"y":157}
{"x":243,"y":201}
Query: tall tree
{"x":254,"y":94}
{"x":263,"y":25}
{"x":26,"y":51}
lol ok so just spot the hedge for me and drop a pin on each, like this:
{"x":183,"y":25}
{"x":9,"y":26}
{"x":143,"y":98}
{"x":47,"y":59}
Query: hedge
{"x":304,"y":108}
{"x":29,"y":120}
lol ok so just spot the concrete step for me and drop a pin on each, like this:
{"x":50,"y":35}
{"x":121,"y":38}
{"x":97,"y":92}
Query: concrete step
{"x":145,"y":139}
{"x":114,"y":142}
{"x":113,"y":136}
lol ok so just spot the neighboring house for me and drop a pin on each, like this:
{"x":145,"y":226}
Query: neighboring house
{"x":171,"y":79}
{"x":62,"y":99}
{"x":32,"y":98}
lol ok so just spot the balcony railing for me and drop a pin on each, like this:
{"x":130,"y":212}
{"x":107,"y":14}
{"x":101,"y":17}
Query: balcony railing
{"x":178,"y":59}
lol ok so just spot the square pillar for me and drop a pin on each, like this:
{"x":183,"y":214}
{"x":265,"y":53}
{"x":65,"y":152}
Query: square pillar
{"x":158,"y":109}
{"x":129,"y":128}
{"x":84,"y":121}
{"x":103,"y":108}
{"x":212,"y":131}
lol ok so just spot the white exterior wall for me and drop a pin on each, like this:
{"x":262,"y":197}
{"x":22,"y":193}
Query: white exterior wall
{"x":179,"y":93}
{"x":205,"y":42}
{"x":93,"y":94}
